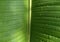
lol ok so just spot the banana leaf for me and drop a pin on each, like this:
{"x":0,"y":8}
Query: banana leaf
{"x":45,"y":21}
{"x":13,"y":20}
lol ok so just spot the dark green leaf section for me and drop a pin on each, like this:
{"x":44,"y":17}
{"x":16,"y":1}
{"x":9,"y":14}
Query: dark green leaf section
{"x":13,"y":21}
{"x":45,"y":23}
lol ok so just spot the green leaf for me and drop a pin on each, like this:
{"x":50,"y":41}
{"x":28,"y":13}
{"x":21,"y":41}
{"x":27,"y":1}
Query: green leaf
{"x":13,"y":21}
{"x":45,"y":22}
